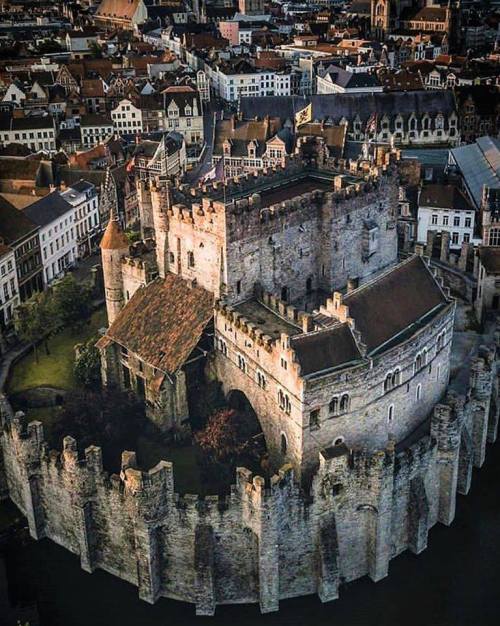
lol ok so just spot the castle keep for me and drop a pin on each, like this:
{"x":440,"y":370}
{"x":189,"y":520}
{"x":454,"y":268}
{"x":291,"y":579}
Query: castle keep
{"x":296,"y":236}
{"x":364,"y":369}
{"x":286,"y":289}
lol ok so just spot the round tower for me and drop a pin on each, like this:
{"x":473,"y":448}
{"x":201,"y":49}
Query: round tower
{"x":160,"y":201}
{"x":114,"y":247}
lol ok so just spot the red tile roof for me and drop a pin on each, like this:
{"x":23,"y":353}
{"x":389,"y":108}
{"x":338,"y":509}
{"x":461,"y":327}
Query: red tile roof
{"x":163,"y":322}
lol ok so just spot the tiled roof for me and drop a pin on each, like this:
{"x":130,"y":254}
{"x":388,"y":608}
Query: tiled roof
{"x":123,"y":9}
{"x":326,"y":349}
{"x":163,"y":322}
{"x":114,"y":238}
{"x":391,"y":304}
{"x":92,"y":88}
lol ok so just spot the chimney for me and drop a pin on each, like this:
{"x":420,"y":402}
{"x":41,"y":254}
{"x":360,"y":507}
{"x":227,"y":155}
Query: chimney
{"x":307,"y":323}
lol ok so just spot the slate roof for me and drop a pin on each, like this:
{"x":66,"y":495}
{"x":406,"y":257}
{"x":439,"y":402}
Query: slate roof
{"x":14,"y":225}
{"x":163,"y":322}
{"x":324,"y":350}
{"x":444,"y":197}
{"x":479,"y":165}
{"x":353,"y":80}
{"x":4,"y":249}
{"x":336,"y":106}
{"x":392,"y":303}
{"x":49,"y":208}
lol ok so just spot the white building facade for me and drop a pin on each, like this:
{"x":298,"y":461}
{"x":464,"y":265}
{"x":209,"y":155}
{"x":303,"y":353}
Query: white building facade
{"x":95,"y":129}
{"x":127,"y":118}
{"x":9,"y":288}
{"x":54,"y":216}
{"x":83,"y":197}
{"x":444,"y":208}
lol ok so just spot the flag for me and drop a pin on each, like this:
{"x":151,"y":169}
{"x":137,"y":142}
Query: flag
{"x":217,"y":173}
{"x":371,"y":124}
{"x":304,"y":115}
{"x":130,"y":165}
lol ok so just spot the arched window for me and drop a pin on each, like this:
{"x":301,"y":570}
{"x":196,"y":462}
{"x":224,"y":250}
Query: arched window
{"x":418,"y":363}
{"x":390,"y":413}
{"x":333,"y":407}
{"x":388,"y":383}
{"x":396,"y":378}
{"x":283,"y":444}
{"x":418,"y":392}
{"x":344,"y":403}
{"x":281,"y":399}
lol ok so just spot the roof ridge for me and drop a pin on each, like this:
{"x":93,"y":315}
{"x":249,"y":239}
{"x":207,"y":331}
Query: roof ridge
{"x":383,"y":274}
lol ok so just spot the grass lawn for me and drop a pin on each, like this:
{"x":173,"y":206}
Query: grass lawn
{"x":187,"y":478}
{"x":55,"y":369}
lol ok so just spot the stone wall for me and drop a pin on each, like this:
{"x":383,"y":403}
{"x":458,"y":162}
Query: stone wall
{"x":262,"y":543}
{"x":366,"y":422}
{"x":320,"y":235}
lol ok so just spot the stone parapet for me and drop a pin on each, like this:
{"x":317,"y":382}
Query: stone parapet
{"x":265,"y":541}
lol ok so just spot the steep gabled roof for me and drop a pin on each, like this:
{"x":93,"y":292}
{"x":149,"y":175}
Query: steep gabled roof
{"x":163,"y":322}
{"x":393,"y":303}
{"x":336,"y":106}
{"x":47,"y":209}
{"x":320,"y":351}
{"x":14,"y":225}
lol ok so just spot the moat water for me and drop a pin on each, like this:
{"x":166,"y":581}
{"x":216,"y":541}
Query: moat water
{"x":455,"y":582}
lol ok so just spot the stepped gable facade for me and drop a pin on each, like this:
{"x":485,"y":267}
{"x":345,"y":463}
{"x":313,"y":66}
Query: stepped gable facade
{"x":263,"y":542}
{"x":226,"y":239}
{"x":365,"y":368}
{"x":404,"y":118}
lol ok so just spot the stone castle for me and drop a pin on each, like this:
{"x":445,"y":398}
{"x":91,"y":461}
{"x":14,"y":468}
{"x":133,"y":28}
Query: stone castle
{"x":286,"y":289}
{"x":261,"y":543}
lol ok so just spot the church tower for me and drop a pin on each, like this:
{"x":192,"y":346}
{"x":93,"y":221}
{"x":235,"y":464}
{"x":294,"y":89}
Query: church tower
{"x":114,"y":247}
{"x":380,"y":18}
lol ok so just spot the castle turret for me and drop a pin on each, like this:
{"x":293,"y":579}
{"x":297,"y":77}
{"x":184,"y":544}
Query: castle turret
{"x":160,"y":201}
{"x":114,"y":247}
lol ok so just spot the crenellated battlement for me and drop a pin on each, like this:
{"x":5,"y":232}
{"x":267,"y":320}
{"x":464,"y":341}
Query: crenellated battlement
{"x":363,"y":507}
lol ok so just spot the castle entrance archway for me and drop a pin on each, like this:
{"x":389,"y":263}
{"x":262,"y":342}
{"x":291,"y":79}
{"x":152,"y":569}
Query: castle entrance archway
{"x":245,"y":413}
